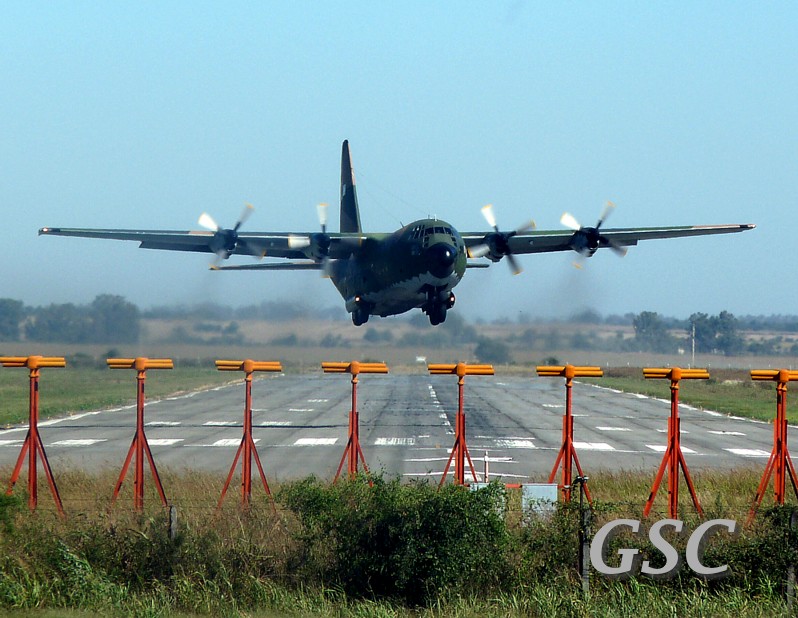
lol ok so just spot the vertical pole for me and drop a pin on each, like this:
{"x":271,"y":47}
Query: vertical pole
{"x":246,"y":465}
{"x":354,"y":427}
{"x":138,"y":475}
{"x":568,"y":444}
{"x":459,"y":440}
{"x":33,"y":432}
{"x":781,"y":442}
{"x":674,"y":447}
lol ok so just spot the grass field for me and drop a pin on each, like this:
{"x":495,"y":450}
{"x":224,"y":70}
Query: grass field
{"x":72,"y":389}
{"x":344,"y":550}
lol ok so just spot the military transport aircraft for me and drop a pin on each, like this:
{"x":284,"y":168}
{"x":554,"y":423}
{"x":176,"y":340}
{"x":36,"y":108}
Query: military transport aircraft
{"x":386,"y":274}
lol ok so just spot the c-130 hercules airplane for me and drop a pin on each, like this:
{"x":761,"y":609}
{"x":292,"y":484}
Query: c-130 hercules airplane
{"x":385,"y":274}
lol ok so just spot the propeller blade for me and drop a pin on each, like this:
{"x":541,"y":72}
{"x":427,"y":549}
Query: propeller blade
{"x":478,"y":251}
{"x":569,"y":221}
{"x":208,"y":223}
{"x":248,"y":208}
{"x":619,"y":250}
{"x":326,"y":268}
{"x":526,"y":227}
{"x":321,"y":210}
{"x":515,"y":267}
{"x":487,"y":212}
{"x":298,"y":242}
{"x":608,"y":208}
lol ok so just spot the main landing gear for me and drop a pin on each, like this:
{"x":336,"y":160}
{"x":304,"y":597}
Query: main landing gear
{"x":438,"y":303}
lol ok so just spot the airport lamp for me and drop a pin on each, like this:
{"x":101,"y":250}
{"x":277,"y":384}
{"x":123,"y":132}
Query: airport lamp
{"x":460,"y":449}
{"x":673,"y":459}
{"x":140,"y":447}
{"x":353,"y":450}
{"x":567,"y":455}
{"x":33,"y":444}
{"x":247,"y":446}
{"x":779,"y":463}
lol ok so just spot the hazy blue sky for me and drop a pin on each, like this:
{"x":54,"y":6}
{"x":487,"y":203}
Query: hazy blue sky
{"x":146,"y":114}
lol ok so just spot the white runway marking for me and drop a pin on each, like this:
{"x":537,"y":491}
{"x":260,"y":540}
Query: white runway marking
{"x":231,"y":442}
{"x":315,"y":441}
{"x":748,"y":452}
{"x":318,"y":400}
{"x":394,"y":442}
{"x":87,"y":442}
{"x":681,"y":431}
{"x":219,"y":423}
{"x":164,"y":441}
{"x":613,"y":428}
{"x":514,"y":444}
{"x":727,"y":433}
{"x":272,"y":424}
{"x":593,"y":446}
{"x":162,"y":424}
{"x":661,"y":449}
{"x":11,"y":442}
{"x":300,"y":409}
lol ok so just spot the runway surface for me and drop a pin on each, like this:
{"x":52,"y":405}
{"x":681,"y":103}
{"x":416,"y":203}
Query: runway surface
{"x":300,"y":428}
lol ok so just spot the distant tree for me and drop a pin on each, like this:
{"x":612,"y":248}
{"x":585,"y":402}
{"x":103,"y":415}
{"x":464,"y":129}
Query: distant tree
{"x":492,"y":351}
{"x":705,"y":332}
{"x":651,"y":333}
{"x":716,"y":333}
{"x":11,"y":314}
{"x":729,"y":340}
{"x":66,"y":323}
{"x":114,"y":320}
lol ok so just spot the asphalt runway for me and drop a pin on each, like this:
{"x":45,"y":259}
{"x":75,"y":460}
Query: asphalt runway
{"x":300,"y":428}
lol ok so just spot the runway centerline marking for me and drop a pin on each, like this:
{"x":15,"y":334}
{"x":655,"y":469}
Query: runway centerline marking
{"x":748,"y":452}
{"x":315,"y":441}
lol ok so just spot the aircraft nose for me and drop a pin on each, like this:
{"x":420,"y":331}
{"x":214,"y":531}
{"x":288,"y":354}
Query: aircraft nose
{"x":442,"y":257}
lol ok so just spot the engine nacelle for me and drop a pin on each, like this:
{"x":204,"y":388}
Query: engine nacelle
{"x":497,"y":245}
{"x":319,"y":247}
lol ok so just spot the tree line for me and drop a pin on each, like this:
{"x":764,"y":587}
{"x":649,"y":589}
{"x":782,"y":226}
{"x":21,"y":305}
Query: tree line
{"x":107,"y":319}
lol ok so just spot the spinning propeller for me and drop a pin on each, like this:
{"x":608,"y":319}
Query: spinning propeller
{"x":319,"y":243}
{"x":226,"y":241}
{"x":586,"y":240}
{"x":495,"y":245}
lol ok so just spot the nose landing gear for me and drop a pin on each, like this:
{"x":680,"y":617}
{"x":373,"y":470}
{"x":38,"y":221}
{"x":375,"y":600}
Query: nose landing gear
{"x":438,"y":303}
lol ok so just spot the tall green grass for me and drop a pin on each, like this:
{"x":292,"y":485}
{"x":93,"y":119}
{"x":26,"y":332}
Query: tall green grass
{"x":351,"y":549}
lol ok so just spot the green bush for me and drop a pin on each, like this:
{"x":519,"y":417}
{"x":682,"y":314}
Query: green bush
{"x":410,"y":542}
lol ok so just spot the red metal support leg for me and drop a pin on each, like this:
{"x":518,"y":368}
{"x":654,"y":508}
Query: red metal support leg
{"x":779,"y":463}
{"x":459,"y":454}
{"x":139,"y":448}
{"x":672,"y":461}
{"x":353,"y":451}
{"x":567,"y":455}
{"x":247,"y":449}
{"x":33,"y":446}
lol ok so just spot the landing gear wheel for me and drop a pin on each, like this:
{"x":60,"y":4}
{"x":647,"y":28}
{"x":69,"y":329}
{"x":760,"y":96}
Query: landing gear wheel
{"x":360,"y":317}
{"x":437,"y":314}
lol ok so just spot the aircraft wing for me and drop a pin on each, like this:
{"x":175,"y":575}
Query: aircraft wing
{"x":291,"y":245}
{"x":563,"y":240}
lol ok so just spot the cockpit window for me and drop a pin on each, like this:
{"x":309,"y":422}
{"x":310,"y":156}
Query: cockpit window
{"x":439,"y":230}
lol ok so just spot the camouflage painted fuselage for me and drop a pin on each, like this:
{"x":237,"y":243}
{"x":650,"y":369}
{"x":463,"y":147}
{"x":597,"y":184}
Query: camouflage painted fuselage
{"x":413,"y":267}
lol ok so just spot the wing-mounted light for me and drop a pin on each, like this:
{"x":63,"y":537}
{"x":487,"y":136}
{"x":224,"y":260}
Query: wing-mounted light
{"x":587,"y":240}
{"x":496,"y":245}
{"x":226,"y":241}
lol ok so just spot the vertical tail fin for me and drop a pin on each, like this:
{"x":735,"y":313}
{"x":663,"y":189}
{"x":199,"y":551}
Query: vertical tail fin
{"x":350,"y":215}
